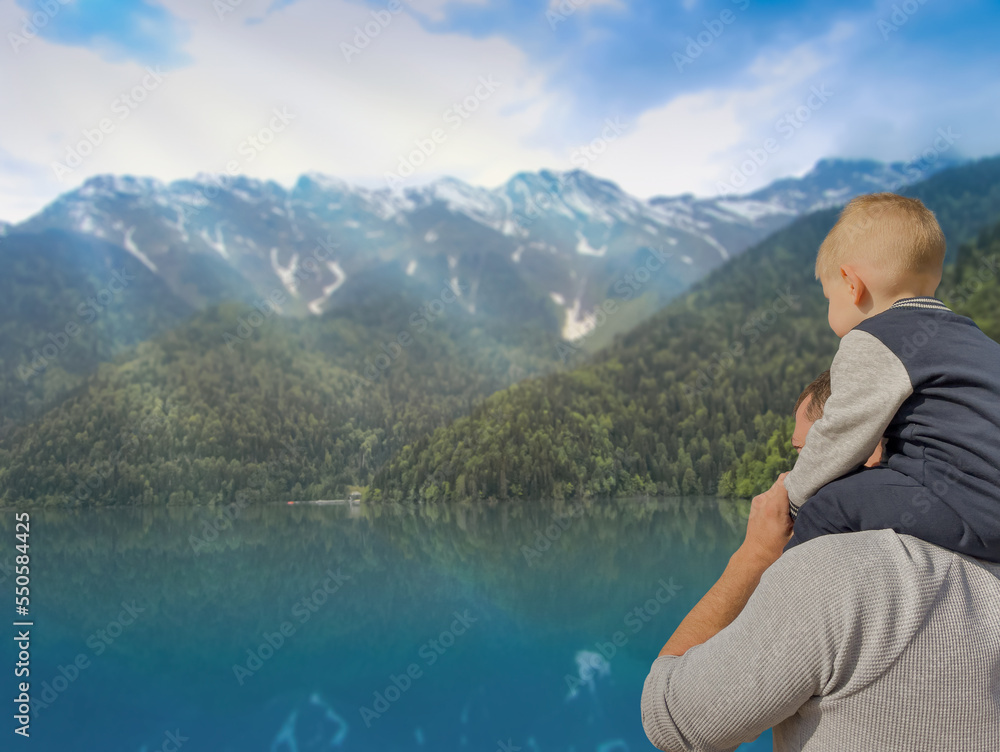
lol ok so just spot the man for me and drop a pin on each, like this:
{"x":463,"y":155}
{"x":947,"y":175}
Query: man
{"x":858,"y":641}
{"x":809,"y":409}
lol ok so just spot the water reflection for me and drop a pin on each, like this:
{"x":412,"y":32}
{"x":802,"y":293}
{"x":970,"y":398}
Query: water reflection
{"x":289,"y":628}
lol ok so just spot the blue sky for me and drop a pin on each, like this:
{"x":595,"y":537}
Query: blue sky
{"x":898,"y":71}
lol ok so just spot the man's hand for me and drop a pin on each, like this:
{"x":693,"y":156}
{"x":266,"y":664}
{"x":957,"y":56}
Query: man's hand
{"x":770,"y":525}
{"x":768,"y":530}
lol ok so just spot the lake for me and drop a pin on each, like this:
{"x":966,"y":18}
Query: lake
{"x":295,"y":628}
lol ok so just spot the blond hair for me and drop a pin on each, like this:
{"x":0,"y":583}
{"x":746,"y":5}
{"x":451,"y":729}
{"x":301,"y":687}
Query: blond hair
{"x":892,"y":233}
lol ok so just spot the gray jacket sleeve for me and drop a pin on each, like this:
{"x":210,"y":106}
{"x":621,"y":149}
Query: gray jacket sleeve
{"x":868,"y":384}
{"x":749,"y":677}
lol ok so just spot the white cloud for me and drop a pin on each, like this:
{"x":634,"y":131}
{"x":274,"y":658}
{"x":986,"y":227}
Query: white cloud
{"x":356,"y":119}
{"x":351,"y":119}
{"x":696,"y":140}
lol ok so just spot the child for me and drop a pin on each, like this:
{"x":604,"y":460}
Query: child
{"x":912,"y":370}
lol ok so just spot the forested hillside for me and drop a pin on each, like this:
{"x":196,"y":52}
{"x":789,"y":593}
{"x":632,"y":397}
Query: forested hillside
{"x":684,"y":397}
{"x":67,"y":303}
{"x":217,"y":410}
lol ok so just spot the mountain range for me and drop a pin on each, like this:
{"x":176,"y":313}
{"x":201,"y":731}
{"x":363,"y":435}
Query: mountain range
{"x":553,"y":243}
{"x":230,"y":310}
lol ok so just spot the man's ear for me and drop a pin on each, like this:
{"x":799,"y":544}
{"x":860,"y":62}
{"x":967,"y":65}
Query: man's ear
{"x":857,"y":285}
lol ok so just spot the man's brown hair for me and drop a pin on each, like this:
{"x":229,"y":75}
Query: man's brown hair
{"x":893,"y":233}
{"x":819,"y":390}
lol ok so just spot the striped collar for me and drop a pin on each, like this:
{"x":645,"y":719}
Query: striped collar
{"x":933,"y":303}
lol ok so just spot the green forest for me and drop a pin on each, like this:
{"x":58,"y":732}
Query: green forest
{"x":203,"y":414}
{"x":696,"y":400}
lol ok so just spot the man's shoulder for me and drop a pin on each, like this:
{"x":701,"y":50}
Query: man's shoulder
{"x":871,"y":545}
{"x":869,"y":561}
{"x":867,"y":595}
{"x":872,"y":560}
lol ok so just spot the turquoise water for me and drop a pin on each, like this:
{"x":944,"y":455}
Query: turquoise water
{"x":293,"y":628}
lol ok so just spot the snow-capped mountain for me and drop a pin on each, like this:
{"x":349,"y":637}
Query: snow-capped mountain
{"x":546,"y":248}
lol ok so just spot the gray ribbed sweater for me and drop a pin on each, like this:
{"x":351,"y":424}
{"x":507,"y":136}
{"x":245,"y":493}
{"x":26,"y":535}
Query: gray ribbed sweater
{"x":859,"y":642}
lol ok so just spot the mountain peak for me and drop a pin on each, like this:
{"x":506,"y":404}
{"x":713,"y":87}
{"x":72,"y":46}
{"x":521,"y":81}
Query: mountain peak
{"x":111,"y":185}
{"x":322,"y":182}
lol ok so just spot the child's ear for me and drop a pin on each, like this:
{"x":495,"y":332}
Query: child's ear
{"x":857,"y":285}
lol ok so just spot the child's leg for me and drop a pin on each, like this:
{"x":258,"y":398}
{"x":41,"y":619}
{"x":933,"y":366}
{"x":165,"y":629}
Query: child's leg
{"x":879,"y":498}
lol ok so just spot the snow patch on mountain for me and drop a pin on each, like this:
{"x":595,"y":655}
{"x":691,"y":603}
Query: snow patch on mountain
{"x":576,"y":324}
{"x":339,"y":277}
{"x":478,"y":204}
{"x":716,"y":245}
{"x":286,"y":273}
{"x":217,"y":244}
{"x":752,"y":211}
{"x":131,"y":247}
{"x":584,"y":248}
